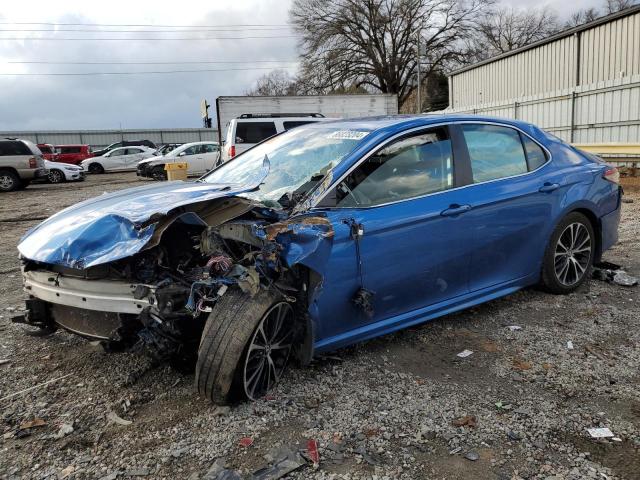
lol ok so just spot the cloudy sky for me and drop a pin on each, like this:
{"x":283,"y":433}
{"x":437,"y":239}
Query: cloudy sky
{"x":123,"y":100}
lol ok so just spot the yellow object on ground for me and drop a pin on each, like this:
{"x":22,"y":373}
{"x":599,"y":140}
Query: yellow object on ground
{"x":176,"y":171}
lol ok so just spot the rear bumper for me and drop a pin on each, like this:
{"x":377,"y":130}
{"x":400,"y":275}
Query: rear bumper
{"x":609,"y":226}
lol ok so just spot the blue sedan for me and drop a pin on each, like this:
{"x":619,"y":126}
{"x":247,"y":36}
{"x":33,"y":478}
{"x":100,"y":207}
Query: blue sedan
{"x":320,"y":237}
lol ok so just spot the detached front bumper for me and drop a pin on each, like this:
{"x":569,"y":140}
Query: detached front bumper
{"x":91,"y":308}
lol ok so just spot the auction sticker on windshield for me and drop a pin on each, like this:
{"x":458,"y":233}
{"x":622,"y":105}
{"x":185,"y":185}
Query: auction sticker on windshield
{"x":348,"y":134}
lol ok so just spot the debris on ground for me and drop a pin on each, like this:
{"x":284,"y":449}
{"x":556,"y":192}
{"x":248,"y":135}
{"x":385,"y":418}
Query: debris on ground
{"x":472,"y":455}
{"x":4,"y":361}
{"x":312,"y":452}
{"x":569,"y":345}
{"x":218,"y":471}
{"x":245,"y":442}
{"x":64,"y":430}
{"x":20,"y":392}
{"x":613,"y":273}
{"x":602,"y":432}
{"x":114,"y":418}
{"x":36,"y":422}
{"x":514,"y":328}
{"x":466,"y":421}
{"x":465,"y":353}
{"x":283,"y":461}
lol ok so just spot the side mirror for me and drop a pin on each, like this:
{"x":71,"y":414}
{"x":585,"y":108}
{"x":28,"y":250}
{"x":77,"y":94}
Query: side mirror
{"x":182,"y":154}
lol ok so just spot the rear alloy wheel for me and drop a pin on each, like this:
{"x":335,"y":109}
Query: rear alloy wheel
{"x":9,"y":181}
{"x":570,"y":253}
{"x":158,"y":173}
{"x":56,"y":176}
{"x":96,"y":168}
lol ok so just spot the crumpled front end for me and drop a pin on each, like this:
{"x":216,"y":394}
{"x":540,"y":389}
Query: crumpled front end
{"x":153,"y":282}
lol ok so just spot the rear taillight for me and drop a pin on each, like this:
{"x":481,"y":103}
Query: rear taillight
{"x":612,"y":174}
{"x":232,"y":151}
{"x":33,"y":163}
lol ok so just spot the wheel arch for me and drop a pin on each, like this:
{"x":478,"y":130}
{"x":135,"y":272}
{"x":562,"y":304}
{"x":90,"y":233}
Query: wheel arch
{"x":10,"y":169}
{"x":595,"y":223}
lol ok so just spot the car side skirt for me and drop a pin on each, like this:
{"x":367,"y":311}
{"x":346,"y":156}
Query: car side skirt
{"x":422,"y":315}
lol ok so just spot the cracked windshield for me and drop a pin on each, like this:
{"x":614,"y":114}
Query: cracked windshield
{"x":297,"y":161}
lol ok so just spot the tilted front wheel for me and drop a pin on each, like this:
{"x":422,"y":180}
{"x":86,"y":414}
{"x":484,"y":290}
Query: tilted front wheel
{"x":569,"y":255}
{"x":96,"y":168}
{"x":245,"y":346}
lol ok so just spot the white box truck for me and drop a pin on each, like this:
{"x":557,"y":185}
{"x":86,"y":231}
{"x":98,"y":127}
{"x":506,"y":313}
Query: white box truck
{"x":252,"y":119}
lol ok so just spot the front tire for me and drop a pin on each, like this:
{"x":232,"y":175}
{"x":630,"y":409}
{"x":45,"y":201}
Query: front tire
{"x":569,"y":255}
{"x":56,"y":176}
{"x":96,"y":168}
{"x":158,"y":173}
{"x":245,"y":346}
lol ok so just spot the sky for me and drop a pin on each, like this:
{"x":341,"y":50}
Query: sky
{"x":60,"y":102}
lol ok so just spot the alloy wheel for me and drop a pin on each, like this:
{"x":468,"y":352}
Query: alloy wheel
{"x":6,"y":182}
{"x":572,"y":254}
{"x":268,"y":351}
{"x":56,"y":176}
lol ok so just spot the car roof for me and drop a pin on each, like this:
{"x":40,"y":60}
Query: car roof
{"x":73,"y":145}
{"x":392,"y":123}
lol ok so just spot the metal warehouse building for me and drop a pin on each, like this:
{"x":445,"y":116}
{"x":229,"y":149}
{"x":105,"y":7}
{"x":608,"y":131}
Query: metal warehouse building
{"x":582,"y":84}
{"x":102,"y":138}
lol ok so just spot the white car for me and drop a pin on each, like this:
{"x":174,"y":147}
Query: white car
{"x":200,"y":157}
{"x":121,"y":159}
{"x":63,"y":172}
{"x":252,"y":128}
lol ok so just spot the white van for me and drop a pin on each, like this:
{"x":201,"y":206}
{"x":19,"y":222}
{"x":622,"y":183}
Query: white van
{"x":251,"y":128}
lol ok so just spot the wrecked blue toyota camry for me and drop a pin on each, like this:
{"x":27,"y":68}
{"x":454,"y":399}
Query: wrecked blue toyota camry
{"x":320,"y":237}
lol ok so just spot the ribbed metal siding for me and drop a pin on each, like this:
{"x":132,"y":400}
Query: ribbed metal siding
{"x":607,"y":52}
{"x":545,"y":68}
{"x":611,"y":50}
{"x":100,"y":138}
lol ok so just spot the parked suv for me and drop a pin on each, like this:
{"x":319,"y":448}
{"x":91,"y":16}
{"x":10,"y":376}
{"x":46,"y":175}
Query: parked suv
{"x":252,"y":128}
{"x":20,"y":163}
{"x":73,"y":154}
{"x":125,"y":143}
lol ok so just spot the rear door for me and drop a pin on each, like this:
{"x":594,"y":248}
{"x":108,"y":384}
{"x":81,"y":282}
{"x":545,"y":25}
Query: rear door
{"x":116,"y":159}
{"x":132,"y":157}
{"x":512,"y":203}
{"x":208,"y":156}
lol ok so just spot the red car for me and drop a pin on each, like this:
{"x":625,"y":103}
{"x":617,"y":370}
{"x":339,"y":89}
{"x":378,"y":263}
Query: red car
{"x":72,"y":153}
{"x":48,"y":151}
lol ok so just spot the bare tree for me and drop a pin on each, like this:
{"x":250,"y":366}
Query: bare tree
{"x":613,"y":6}
{"x":582,"y":16}
{"x":371,"y":44}
{"x":276,"y":82}
{"x":506,"y":29}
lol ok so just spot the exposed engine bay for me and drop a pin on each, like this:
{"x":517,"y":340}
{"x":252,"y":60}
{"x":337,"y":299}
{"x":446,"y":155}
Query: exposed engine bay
{"x":159,"y":299}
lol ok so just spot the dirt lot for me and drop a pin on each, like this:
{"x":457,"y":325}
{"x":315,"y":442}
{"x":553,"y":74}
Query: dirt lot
{"x":384,"y":409}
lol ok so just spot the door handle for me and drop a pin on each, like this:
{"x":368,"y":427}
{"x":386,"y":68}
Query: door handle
{"x":455,"y":210}
{"x":549,"y":187}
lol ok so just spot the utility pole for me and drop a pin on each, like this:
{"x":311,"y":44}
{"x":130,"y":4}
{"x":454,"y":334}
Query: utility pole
{"x":419,"y":96}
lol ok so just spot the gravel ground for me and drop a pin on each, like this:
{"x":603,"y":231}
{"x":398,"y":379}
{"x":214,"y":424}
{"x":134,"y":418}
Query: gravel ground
{"x":384,"y":409}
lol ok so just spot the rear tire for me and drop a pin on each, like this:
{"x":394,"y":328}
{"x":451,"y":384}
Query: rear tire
{"x":230,"y":349}
{"x":96,"y":168}
{"x":9,"y":181}
{"x":158,"y":173}
{"x":569,"y":255}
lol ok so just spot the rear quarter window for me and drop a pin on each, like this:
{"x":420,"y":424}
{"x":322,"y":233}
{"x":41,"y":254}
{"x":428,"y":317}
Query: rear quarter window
{"x":535,"y":155}
{"x":295,"y":123}
{"x":254,"y":132}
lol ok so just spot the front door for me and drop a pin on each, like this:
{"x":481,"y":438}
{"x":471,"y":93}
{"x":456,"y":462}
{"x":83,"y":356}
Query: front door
{"x":400,"y":234}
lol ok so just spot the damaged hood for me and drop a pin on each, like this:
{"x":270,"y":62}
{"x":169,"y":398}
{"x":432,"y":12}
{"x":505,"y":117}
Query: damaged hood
{"x":117,"y":225}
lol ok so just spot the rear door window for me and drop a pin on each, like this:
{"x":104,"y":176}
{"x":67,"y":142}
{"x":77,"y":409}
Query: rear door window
{"x":495,"y":152}
{"x":131,"y":151}
{"x":12,"y":147}
{"x":70,"y":149}
{"x":254,"y":132}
